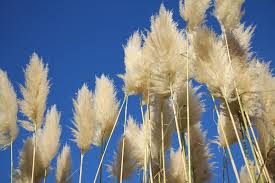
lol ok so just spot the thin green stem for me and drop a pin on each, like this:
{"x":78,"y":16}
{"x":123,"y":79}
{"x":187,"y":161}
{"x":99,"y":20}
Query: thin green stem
{"x":108,"y":141}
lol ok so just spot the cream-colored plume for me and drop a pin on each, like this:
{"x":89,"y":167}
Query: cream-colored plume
{"x":212,"y":65}
{"x":199,"y":155}
{"x":176,"y":172}
{"x":8,"y":111}
{"x":129,"y":163}
{"x":228,"y":12}
{"x":84,"y":119}
{"x":244,"y":175}
{"x":24,"y":172}
{"x":63,"y":167}
{"x":239,"y":42}
{"x":225,"y":123}
{"x":193,"y":12}
{"x":195,"y":105}
{"x":163,"y":48}
{"x":137,"y":71}
{"x":106,"y":108}
{"x":35,"y":92}
{"x":48,"y":137}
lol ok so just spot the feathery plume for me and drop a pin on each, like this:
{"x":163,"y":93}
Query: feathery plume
{"x":163,"y":48}
{"x":225,"y":122}
{"x":84,"y":119}
{"x":239,"y":41}
{"x":228,"y":12}
{"x":106,"y":108}
{"x":176,"y":168}
{"x":63,"y":167}
{"x":48,"y":138}
{"x":195,"y":105}
{"x":129,"y":164}
{"x":35,"y":92}
{"x":8,"y":111}
{"x":200,"y":155}
{"x":244,"y":176}
{"x":137,"y":71}
{"x":193,"y":12}
{"x":212,"y":65}
{"x":24,"y":172}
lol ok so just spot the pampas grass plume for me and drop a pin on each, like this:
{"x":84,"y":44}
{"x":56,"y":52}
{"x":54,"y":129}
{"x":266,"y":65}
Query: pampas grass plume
{"x":35,"y":92}
{"x":193,"y":12}
{"x":106,"y":108}
{"x":63,"y":167}
{"x":84,"y":119}
{"x":48,"y":138}
{"x":8,"y":111}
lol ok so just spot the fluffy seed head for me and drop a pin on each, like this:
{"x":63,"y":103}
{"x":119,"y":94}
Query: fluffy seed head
{"x":63,"y":167}
{"x":212,"y":65}
{"x":48,"y":138}
{"x":35,"y":91}
{"x":84,"y":119}
{"x":176,"y":167}
{"x":106,"y":108}
{"x":199,"y":155}
{"x":163,"y":48}
{"x":24,"y":172}
{"x":8,"y":111}
{"x":228,"y":12}
{"x":193,"y":12}
{"x":136,"y":69}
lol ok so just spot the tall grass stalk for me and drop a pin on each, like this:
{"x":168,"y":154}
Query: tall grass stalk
{"x":239,"y":140}
{"x":34,"y":152}
{"x":123,"y":140}
{"x":187,"y":109}
{"x":162,"y":148}
{"x":226,"y":143}
{"x":80,"y":168}
{"x":45,"y":175}
{"x":11,"y":159}
{"x":146,"y":147}
{"x":182,"y":148}
{"x":150,"y":139}
{"x":109,"y":138}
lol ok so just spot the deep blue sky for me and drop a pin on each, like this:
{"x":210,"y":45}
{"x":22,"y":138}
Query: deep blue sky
{"x":82,"y":39}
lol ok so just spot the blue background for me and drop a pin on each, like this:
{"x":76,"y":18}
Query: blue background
{"x":83,"y":39}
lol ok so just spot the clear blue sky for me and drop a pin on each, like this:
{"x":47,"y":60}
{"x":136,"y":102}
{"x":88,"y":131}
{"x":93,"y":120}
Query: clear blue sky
{"x":84,"y":38}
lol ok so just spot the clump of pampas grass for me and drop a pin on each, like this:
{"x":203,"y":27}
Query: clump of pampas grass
{"x":8,"y":111}
{"x":63,"y":167}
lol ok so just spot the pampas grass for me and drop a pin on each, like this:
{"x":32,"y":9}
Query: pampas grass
{"x":8,"y":119}
{"x":63,"y":167}
{"x":160,"y":65}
